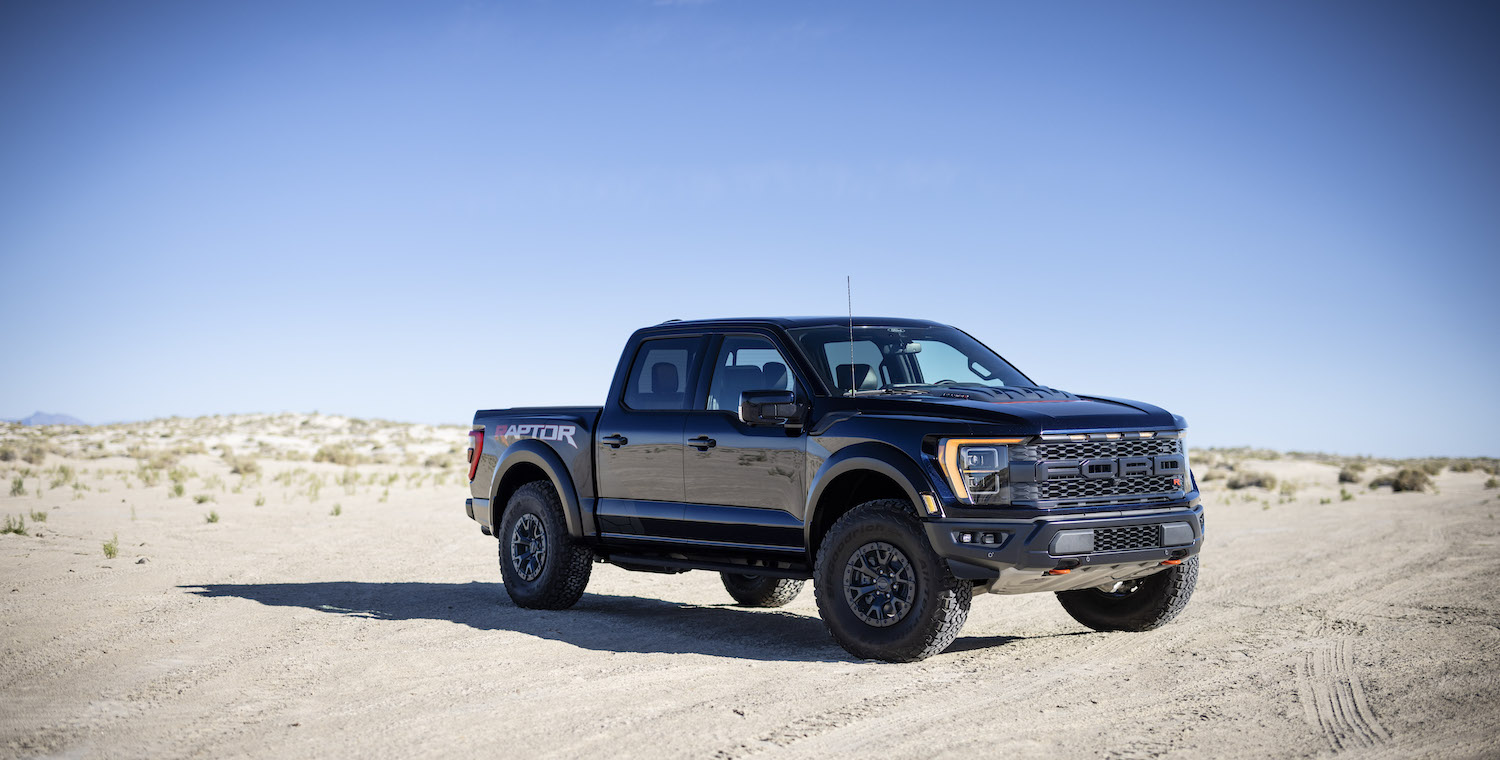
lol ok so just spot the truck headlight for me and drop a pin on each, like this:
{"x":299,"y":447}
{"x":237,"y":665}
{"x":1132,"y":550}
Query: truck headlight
{"x":978,"y":469}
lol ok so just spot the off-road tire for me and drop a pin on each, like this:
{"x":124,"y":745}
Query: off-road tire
{"x":1153,"y":604}
{"x":565,"y":565}
{"x":760,"y":590}
{"x":939,"y":603}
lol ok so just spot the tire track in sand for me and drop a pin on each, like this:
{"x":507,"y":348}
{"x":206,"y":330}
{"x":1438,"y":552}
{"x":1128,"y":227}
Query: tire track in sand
{"x":1333,"y":700}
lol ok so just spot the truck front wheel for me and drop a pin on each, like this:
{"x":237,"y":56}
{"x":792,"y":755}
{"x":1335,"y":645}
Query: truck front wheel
{"x":881,"y":589}
{"x":761,"y":591}
{"x":542,"y":566}
{"x":1143,"y":604}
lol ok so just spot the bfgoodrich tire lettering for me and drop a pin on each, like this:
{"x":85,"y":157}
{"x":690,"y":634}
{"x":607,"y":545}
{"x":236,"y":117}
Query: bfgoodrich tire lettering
{"x":761,"y":591}
{"x":937,"y":603}
{"x":542,"y":566}
{"x":1143,"y":605}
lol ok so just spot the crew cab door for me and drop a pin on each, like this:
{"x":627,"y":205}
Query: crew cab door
{"x":638,"y":445}
{"x":743,"y":484}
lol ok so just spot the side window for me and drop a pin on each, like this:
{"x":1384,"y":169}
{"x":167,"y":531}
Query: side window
{"x":662,"y":375}
{"x":747,"y":363}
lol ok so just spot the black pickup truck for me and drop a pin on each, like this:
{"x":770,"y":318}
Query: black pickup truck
{"x":899,"y":464}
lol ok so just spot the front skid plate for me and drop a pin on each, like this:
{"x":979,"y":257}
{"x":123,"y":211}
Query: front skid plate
{"x":1017,"y":581}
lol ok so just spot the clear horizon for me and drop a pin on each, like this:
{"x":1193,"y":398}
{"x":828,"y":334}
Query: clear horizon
{"x":1275,"y":220}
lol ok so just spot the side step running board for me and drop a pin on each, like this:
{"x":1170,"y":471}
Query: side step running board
{"x":649,"y":563}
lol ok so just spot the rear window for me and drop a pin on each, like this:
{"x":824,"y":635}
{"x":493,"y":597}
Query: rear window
{"x":662,"y":375}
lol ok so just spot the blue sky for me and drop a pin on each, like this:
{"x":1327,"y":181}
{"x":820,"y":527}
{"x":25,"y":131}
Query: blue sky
{"x":1281,"y":220}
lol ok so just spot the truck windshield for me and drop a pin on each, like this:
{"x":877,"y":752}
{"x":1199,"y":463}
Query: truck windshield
{"x":887,"y":359}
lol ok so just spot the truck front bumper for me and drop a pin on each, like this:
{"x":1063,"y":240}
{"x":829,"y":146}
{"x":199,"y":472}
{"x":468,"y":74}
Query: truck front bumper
{"x":1022,"y":556}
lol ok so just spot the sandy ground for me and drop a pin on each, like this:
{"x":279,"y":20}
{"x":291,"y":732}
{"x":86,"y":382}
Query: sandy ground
{"x":1368,"y":627}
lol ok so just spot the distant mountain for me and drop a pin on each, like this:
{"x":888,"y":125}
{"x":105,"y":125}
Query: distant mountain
{"x":43,"y":418}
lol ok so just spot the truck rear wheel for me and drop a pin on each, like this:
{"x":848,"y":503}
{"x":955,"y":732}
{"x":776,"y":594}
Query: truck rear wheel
{"x":760,"y":590}
{"x":881,"y":589}
{"x":543,"y":567}
{"x":1143,"y":604}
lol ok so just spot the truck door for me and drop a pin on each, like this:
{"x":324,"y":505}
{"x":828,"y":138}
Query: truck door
{"x":639,"y":441}
{"x":744,"y":484}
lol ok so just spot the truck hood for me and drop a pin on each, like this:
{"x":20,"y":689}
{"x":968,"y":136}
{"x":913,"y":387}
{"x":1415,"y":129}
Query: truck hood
{"x":1026,"y":410}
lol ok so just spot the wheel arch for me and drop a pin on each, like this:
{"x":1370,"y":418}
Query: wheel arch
{"x":527,"y":461}
{"x":855,"y":475}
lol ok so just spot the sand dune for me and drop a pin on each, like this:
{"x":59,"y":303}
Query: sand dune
{"x":342,"y":604}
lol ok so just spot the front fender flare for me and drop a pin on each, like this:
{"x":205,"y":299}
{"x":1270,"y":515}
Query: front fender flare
{"x":534,"y":452}
{"x":882,"y":458}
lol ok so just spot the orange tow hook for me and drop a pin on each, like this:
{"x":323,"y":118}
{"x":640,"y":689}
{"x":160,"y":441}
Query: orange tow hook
{"x":1171,"y":562}
{"x":1059,"y":571}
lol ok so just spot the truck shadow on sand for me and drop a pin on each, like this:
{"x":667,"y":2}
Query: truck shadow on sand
{"x":599,"y":622}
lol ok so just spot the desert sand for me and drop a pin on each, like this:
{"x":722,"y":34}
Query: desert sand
{"x":1367,"y":627}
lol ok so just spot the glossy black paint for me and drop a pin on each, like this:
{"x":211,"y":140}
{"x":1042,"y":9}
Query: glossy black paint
{"x":702,"y":488}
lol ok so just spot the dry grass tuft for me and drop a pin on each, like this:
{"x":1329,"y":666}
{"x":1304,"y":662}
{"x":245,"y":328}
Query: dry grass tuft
{"x":1409,"y":479}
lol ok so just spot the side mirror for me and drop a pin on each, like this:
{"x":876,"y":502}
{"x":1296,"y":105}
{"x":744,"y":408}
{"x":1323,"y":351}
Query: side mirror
{"x":772,"y":409}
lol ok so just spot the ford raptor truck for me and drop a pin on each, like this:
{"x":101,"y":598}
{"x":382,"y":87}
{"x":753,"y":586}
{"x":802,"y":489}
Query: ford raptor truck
{"x":900,"y":465}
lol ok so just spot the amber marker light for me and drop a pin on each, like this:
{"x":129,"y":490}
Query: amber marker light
{"x":948,"y":459}
{"x":930,"y":503}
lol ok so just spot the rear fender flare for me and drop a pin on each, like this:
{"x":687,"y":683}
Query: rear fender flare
{"x":537,"y":453}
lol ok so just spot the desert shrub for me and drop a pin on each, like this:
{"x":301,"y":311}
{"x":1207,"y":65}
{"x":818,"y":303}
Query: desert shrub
{"x":62,"y":476}
{"x":438,"y":461}
{"x":1214,"y":474}
{"x":18,"y":486}
{"x":148,"y":475}
{"x":1288,"y":489}
{"x":34,"y":455}
{"x":337,"y":455}
{"x":260,"y":500}
{"x":7,"y":453}
{"x":1350,"y":473}
{"x":211,"y":517}
{"x":1430,"y":466}
{"x":241,"y":465}
{"x":112,"y":547}
{"x":1492,"y":483}
{"x":38,"y":515}
{"x":16,"y":525}
{"x":1325,"y":500}
{"x":1249,"y":479}
{"x":385,"y":496}
{"x":202,"y":498}
{"x":180,"y":475}
{"x":337,"y":510}
{"x":177,"y":490}
{"x":1344,"y":495}
{"x":1462,"y":465}
{"x":1405,"y":479}
{"x":349,"y":480}
{"x":161,"y":460}
{"x":314,"y":488}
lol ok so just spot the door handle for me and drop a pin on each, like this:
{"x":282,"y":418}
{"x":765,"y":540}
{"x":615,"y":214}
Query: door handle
{"x":614,"y":441}
{"x":702,"y":443}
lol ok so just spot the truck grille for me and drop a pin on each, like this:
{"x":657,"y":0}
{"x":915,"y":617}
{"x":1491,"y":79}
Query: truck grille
{"x":1092,"y":449}
{"x":1127,"y":538}
{"x":1082,"y":488}
{"x":1062,"y":490}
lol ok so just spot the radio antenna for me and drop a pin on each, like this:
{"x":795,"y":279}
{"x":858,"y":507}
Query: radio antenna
{"x":849,"y":293}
